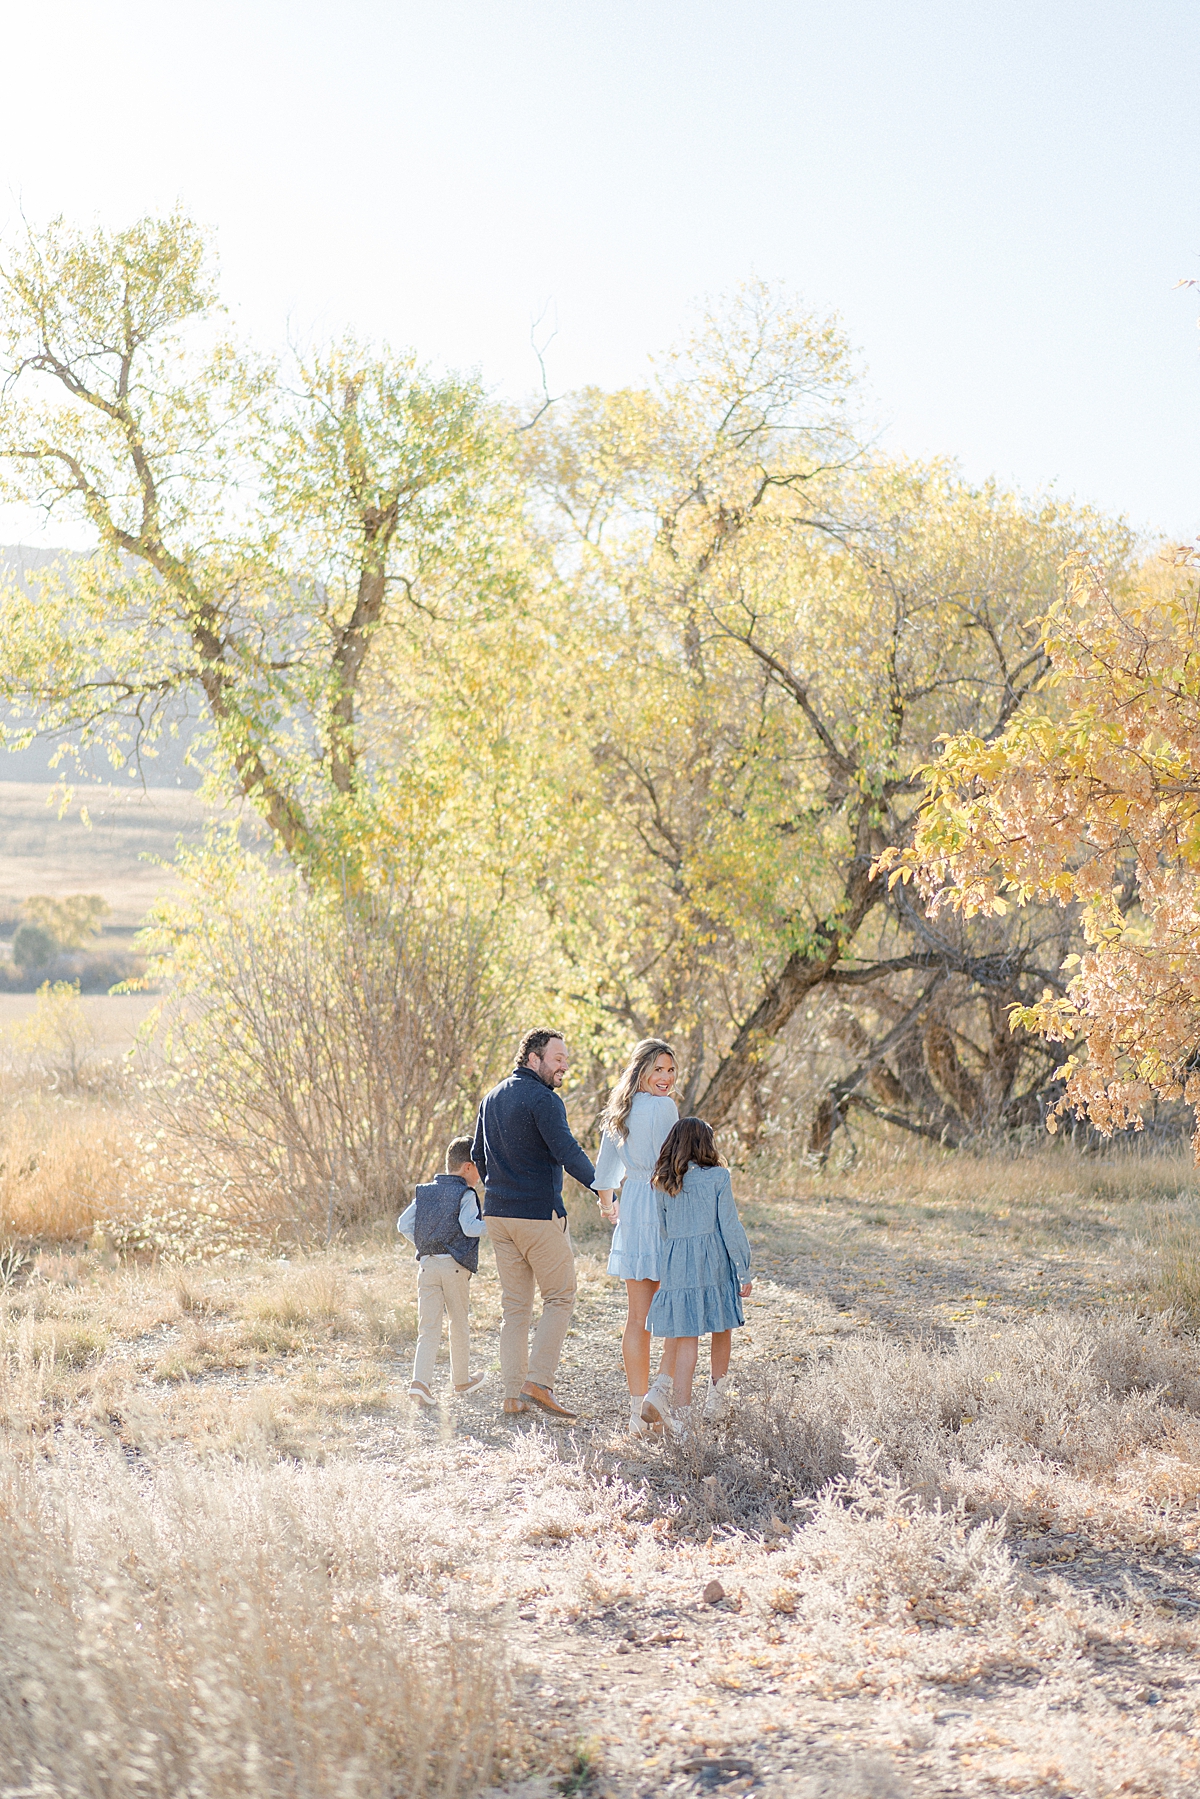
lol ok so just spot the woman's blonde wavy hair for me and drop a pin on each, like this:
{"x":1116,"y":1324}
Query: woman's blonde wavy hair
{"x":615,"y":1117}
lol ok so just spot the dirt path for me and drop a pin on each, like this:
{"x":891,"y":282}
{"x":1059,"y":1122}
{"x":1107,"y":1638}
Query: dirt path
{"x":624,"y":1661}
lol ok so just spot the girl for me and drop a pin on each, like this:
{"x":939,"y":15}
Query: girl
{"x":636,"y":1121}
{"x":705,"y":1264}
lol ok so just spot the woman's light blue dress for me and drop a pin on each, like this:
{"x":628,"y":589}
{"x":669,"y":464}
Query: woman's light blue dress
{"x":706,"y":1258}
{"x":637,"y":1240}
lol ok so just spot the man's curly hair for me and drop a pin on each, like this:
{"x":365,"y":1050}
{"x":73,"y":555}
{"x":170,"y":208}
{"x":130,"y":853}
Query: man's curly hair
{"x":533,"y":1043}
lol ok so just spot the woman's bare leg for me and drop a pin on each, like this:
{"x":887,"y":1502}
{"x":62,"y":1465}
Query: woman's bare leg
{"x":686,"y":1350}
{"x":666,"y":1363}
{"x":635,"y":1339}
{"x":722,"y":1349}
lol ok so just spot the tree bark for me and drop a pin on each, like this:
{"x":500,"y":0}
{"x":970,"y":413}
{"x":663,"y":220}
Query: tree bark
{"x":950,"y":1075}
{"x":795,"y":980}
{"x":831,"y":1111}
{"x":352,"y":640}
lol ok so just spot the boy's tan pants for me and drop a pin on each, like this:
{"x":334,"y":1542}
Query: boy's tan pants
{"x":443,"y":1285}
{"x":532,"y":1251}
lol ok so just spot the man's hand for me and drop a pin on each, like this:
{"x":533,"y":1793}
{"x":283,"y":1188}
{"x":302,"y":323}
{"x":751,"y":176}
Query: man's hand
{"x":747,"y":1289}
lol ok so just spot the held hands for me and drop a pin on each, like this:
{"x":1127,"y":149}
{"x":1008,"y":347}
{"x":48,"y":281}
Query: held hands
{"x":607,"y":1202}
{"x":747,"y":1289}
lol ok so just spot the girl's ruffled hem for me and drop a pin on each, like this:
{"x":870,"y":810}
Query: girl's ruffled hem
{"x":694,"y":1311}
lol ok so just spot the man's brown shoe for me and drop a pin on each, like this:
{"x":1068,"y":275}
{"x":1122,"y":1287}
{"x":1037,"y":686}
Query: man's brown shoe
{"x":512,"y":1406}
{"x":545,"y":1401}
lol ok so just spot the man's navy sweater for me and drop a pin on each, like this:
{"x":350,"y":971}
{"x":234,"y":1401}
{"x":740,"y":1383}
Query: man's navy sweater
{"x":522,"y":1144}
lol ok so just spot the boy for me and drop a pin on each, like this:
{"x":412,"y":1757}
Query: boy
{"x":445,"y":1224}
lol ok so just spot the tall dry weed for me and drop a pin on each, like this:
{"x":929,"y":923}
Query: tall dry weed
{"x":235,"y":1633}
{"x":1167,"y":1255}
{"x":63,"y":1165}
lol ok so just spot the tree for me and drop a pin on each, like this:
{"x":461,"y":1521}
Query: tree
{"x":253,"y":537}
{"x":1091,"y":797}
{"x":772,"y":628}
{"x":73,"y":921}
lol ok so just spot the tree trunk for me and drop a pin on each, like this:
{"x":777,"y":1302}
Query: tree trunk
{"x":794,"y":982}
{"x":950,"y":1075}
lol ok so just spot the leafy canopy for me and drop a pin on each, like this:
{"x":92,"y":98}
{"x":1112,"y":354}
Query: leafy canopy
{"x":256,"y":529}
{"x":1092,"y":796}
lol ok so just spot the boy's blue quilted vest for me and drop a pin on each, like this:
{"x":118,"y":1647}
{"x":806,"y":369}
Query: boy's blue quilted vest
{"x":436,"y":1230}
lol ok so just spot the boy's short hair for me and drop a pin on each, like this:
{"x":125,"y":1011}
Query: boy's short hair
{"x":533,"y":1043}
{"x":458,"y":1153}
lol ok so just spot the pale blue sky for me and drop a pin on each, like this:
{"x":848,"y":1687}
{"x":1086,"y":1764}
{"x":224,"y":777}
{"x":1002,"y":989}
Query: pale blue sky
{"x":998,"y":198}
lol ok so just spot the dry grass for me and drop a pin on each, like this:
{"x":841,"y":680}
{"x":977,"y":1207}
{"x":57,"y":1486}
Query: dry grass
{"x":954,"y":1516}
{"x":1026,"y":1173}
{"x":236,"y":1632}
{"x":63,"y":1166}
{"x":1168,"y":1257}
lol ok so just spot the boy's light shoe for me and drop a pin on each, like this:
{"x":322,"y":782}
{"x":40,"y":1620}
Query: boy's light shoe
{"x":718,"y":1402}
{"x":473,"y":1385}
{"x":421,"y":1394}
{"x":656,"y":1407}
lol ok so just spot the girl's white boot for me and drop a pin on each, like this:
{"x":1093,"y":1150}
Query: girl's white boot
{"x":718,"y":1401}
{"x":638,"y":1427}
{"x":656,"y":1407}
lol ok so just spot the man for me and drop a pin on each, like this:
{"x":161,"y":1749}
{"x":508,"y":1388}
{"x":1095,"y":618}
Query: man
{"x":522,"y":1144}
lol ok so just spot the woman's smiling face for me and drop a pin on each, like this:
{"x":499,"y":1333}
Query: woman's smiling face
{"x":660,"y":1079}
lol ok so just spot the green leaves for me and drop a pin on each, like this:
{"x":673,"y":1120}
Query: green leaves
{"x":256,"y":529}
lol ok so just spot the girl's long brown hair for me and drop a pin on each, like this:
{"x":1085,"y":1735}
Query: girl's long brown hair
{"x":691,"y":1140}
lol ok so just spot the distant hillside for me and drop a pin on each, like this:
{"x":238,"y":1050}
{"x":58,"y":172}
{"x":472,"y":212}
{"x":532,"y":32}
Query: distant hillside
{"x":41,"y":853}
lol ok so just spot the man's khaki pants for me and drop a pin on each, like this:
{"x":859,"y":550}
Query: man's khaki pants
{"x":529,"y":1251}
{"x":443,"y":1285}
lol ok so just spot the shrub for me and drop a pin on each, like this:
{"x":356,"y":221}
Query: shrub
{"x":33,"y":946}
{"x":59,"y":1040}
{"x":948,"y":1423}
{"x":325,"y":1047}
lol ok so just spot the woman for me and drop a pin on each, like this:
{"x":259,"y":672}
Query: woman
{"x":636,"y":1123}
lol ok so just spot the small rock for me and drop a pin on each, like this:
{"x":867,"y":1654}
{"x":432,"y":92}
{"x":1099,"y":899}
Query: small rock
{"x":715,"y":1771}
{"x":713,"y":1593}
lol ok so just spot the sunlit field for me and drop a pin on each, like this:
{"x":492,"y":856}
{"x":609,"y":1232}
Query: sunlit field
{"x":948,"y":1542}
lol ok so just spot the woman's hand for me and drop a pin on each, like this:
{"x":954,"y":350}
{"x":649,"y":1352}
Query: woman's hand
{"x":747,"y":1289}
{"x":608,"y":1205}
